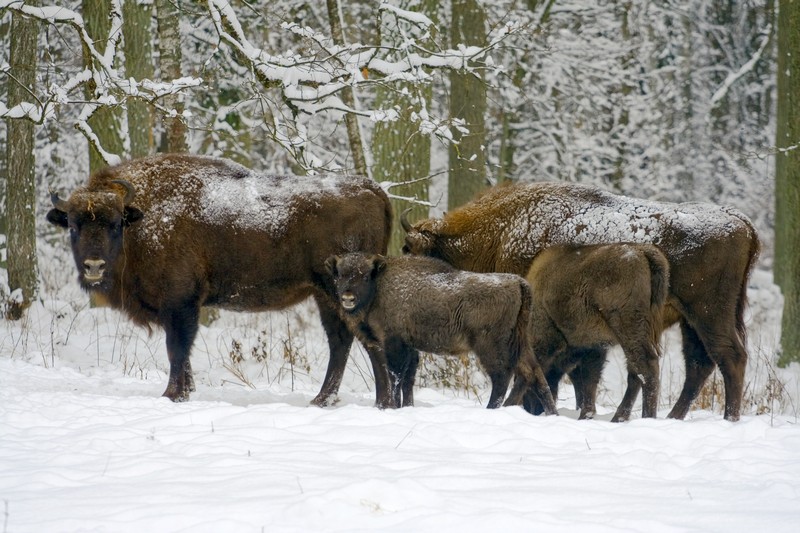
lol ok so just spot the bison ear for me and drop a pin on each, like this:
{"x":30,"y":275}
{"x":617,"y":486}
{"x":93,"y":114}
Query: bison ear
{"x":330,"y":264}
{"x":378,"y":264}
{"x":57,"y":217}
{"x":132,"y":215}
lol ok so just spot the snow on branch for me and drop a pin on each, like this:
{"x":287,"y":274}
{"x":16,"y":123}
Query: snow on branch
{"x":311,"y":82}
{"x":107,"y":85}
{"x":733,"y":77}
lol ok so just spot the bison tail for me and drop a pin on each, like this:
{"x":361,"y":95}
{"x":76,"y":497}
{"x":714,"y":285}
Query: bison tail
{"x":659,"y":277}
{"x":521,"y":337}
{"x":659,"y":290}
{"x":753,"y":253}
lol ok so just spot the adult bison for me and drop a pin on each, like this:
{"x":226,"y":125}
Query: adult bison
{"x":419,"y":303}
{"x":711,"y":251}
{"x":161,"y":236}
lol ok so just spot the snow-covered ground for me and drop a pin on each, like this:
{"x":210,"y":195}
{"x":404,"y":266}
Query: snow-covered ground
{"x":87,"y":444}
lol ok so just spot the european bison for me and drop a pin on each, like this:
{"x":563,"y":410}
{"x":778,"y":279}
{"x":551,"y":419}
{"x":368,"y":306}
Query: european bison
{"x":590,"y":297}
{"x":711,"y":251}
{"x":161,"y":236}
{"x":418,"y":303}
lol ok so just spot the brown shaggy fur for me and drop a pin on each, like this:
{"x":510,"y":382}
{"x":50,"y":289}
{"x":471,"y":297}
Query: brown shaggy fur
{"x":202,"y":231}
{"x":587,"y":297}
{"x":711,"y":251}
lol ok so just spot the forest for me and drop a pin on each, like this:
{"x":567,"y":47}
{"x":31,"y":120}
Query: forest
{"x":673,"y":101}
{"x":436,"y":101}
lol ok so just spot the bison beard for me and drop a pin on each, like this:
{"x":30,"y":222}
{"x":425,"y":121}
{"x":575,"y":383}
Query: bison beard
{"x":159,"y":237}
{"x":711,"y":251}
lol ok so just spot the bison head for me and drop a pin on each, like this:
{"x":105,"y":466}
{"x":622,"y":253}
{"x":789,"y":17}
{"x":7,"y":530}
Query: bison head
{"x":421,"y":237}
{"x":96,"y":221}
{"x":354,"y":278}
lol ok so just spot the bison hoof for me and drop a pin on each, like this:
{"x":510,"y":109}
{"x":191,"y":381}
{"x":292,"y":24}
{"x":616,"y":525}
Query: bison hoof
{"x":325,"y":401}
{"x":176,"y":396}
{"x":385,"y":404}
{"x":586,"y":415}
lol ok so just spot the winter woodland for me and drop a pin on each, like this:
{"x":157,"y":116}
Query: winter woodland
{"x":670,"y":100}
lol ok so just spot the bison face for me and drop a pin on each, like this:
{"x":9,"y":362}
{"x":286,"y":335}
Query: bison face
{"x":354,"y":278}
{"x":419,"y":243}
{"x":421,"y":237}
{"x":96,"y":222}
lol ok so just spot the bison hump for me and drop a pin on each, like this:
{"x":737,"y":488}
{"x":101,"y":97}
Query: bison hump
{"x":217,"y":192}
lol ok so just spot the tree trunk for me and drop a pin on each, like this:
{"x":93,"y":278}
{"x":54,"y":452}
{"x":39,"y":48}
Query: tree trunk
{"x":105,"y":122}
{"x":139,"y":65}
{"x":400,"y":152}
{"x":20,"y":209}
{"x":787,"y":178}
{"x":169,"y":49}
{"x":467,"y":157}
{"x":348,"y":98}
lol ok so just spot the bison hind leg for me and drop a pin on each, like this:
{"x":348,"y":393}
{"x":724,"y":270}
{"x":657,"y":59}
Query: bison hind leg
{"x":698,"y":367}
{"x":625,"y":408}
{"x":531,"y":389}
{"x":585,"y":376}
{"x":643,"y":373}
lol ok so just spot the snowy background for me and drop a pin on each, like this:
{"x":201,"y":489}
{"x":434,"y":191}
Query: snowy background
{"x":668,"y":100}
{"x":87,"y":444}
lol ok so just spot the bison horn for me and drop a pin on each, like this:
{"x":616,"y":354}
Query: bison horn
{"x":404,"y":220}
{"x":130,"y":192}
{"x":58,"y":203}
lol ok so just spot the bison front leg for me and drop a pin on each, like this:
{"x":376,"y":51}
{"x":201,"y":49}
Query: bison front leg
{"x":340,"y":339}
{"x":180,"y":326}
{"x":384,"y":399}
{"x":402,"y":360}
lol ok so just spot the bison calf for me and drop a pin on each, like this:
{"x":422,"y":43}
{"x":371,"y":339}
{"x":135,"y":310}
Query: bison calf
{"x":400,"y":305}
{"x":586,"y":298}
